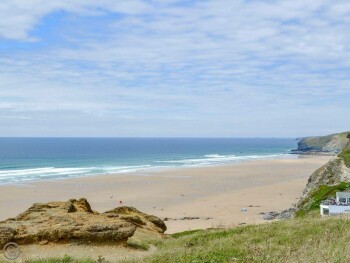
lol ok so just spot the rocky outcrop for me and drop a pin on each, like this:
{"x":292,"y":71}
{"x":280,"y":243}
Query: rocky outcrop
{"x":333,"y":143}
{"x":132,"y":215}
{"x":332,"y":173}
{"x":75,"y":221}
{"x":285,"y":214}
{"x":325,"y":181}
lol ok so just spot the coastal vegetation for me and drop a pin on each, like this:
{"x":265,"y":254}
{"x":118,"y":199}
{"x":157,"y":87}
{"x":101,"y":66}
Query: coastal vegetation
{"x":311,"y":239}
{"x":345,"y":155}
{"x":333,"y":177}
{"x":323,"y":184}
{"x":305,"y":238}
{"x":308,"y":239}
{"x":323,"y":192}
{"x":329,"y":143}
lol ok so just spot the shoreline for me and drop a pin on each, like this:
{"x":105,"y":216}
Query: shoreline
{"x":152,"y":169}
{"x":197,"y":197}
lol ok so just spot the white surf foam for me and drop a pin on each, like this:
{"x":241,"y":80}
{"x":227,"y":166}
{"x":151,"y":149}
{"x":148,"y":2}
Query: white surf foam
{"x":212,"y":159}
{"x":22,"y":175}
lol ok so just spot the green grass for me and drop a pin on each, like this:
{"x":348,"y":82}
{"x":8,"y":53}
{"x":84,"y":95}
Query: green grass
{"x":345,"y":155}
{"x":325,"y":192}
{"x":318,"y":142}
{"x":65,"y":259}
{"x":138,"y":244}
{"x":185,"y":233}
{"x":309,"y":239}
{"x":296,"y":240}
{"x":320,"y":194}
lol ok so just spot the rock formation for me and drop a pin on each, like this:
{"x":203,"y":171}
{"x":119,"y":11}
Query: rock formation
{"x":332,"y":173}
{"x":75,"y":221}
{"x":333,"y":143}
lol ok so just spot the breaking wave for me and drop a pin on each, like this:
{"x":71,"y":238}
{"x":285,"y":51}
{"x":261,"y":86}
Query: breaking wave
{"x":48,"y":173}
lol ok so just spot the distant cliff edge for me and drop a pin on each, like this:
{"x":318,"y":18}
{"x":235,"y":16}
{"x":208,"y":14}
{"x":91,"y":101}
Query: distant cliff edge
{"x":332,"y":177}
{"x":333,"y":143}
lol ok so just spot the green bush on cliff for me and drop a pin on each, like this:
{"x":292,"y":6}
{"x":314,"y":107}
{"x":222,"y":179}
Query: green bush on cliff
{"x":345,"y":155}
{"x":317,"y":196}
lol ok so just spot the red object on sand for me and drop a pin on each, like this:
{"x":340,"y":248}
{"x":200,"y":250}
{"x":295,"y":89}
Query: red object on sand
{"x":120,"y":202}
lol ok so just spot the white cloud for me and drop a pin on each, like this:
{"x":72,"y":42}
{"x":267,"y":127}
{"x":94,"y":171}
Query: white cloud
{"x":19,"y":17}
{"x":222,"y":62}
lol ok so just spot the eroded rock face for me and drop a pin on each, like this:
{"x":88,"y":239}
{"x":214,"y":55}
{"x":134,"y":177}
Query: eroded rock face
{"x":76,"y":221}
{"x":6,"y":234}
{"x":333,"y":143}
{"x":332,"y":173}
{"x":132,"y":215}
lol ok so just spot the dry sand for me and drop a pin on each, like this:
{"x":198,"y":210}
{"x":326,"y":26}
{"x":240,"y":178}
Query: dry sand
{"x":214,"y":194}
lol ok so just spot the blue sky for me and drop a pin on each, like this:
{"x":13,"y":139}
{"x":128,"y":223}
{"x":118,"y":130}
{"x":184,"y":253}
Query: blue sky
{"x":215,"y":68}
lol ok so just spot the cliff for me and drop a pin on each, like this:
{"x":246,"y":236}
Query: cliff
{"x":333,"y":143}
{"x":326,"y":181}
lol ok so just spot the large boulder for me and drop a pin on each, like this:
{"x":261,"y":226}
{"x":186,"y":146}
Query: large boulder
{"x":75,"y":221}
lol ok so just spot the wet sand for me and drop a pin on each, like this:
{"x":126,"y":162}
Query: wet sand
{"x":214,"y":194}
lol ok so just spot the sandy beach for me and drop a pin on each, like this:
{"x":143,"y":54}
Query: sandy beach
{"x":212,"y":196}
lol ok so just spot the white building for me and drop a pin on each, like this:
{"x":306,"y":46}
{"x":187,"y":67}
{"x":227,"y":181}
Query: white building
{"x":339,"y":206}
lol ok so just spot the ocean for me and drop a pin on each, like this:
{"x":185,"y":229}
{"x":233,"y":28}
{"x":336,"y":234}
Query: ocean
{"x":28,"y":159}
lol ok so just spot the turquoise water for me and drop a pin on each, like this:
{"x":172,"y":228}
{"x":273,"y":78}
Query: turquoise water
{"x":26,"y":159}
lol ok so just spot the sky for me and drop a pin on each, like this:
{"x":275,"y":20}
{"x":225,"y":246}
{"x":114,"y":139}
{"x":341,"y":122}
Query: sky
{"x":174,"y":68}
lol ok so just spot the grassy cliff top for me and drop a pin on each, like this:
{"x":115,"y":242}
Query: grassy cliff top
{"x":326,"y":181}
{"x":345,"y":153}
{"x":333,"y":142}
{"x":311,"y":239}
{"x":323,"y":192}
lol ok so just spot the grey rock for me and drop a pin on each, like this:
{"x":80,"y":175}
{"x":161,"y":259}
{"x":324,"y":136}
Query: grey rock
{"x":332,"y":173}
{"x":333,"y":143}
